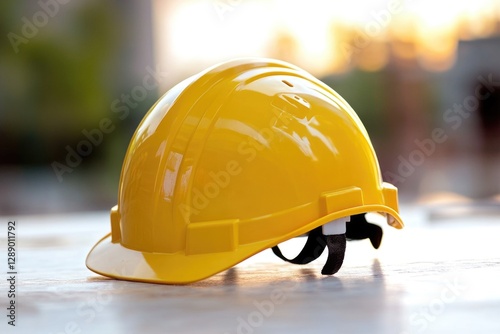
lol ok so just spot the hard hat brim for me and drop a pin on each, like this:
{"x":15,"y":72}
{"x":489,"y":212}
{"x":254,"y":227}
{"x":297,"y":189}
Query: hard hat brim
{"x":114,"y":260}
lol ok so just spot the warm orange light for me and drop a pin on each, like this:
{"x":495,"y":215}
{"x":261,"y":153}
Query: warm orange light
{"x":319,"y":35}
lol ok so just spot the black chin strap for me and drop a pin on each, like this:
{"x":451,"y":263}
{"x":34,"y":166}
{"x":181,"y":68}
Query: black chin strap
{"x":358,"y":228}
{"x":313,"y":248}
{"x":336,"y":249}
{"x":315,"y":244}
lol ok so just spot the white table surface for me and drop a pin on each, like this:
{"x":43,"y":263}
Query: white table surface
{"x":441,"y":274}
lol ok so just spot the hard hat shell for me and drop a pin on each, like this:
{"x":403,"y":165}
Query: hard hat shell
{"x":234,"y":160}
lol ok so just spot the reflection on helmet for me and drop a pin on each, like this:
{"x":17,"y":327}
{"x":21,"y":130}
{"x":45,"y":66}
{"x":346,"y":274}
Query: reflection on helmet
{"x":235,"y":160}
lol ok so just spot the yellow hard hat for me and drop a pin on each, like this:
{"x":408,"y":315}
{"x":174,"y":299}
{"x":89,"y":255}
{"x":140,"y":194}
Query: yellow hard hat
{"x":235,"y":160}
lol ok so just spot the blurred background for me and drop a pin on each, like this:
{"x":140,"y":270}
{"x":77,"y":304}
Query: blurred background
{"x":76,"y":78}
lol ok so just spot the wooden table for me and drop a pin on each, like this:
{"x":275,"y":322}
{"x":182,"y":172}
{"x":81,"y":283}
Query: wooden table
{"x":441,"y":274}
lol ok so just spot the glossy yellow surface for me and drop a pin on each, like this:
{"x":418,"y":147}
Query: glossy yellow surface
{"x":232,"y":161}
